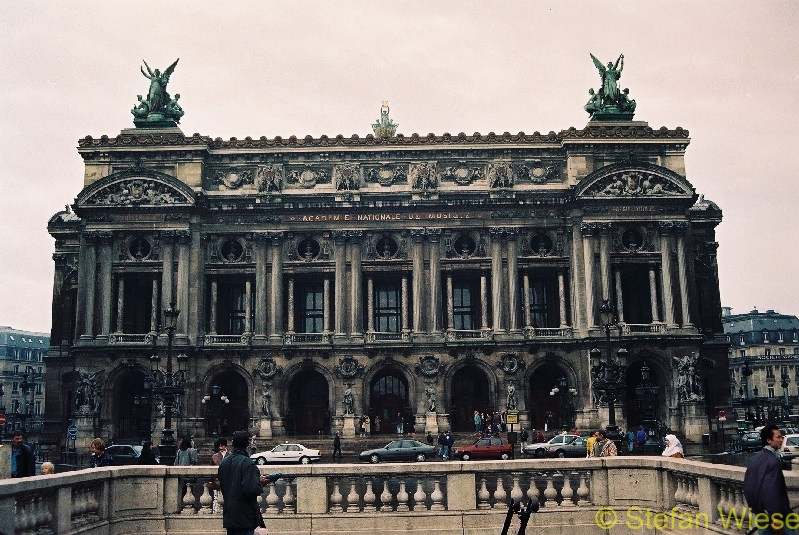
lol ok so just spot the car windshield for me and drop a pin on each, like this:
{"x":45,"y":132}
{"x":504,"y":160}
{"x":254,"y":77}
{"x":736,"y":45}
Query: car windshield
{"x":394,"y":444}
{"x":278,"y":449}
{"x":793,"y":441}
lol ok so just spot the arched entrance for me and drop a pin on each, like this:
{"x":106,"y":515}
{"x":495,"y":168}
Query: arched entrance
{"x":470,"y":393}
{"x":644,"y":394}
{"x":549,"y":410}
{"x":133,"y":404}
{"x":225,"y":418}
{"x":309,"y":404}
{"x":389,"y":396}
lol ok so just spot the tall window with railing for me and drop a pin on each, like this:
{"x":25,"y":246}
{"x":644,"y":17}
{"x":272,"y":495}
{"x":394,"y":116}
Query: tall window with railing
{"x":387,"y":307}
{"x":312,"y":307}
{"x":464,"y":309}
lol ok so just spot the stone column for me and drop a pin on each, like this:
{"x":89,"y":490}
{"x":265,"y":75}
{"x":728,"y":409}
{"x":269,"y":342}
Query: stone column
{"x":154,"y":307}
{"x":167,"y":270}
{"x":290,"y":305}
{"x":450,"y":303}
{"x":370,"y":305}
{"x":248,"y":306}
{"x":326,"y":313}
{"x":576,"y":279}
{"x":526,"y":299}
{"x":86,"y":285}
{"x":213,"y":305}
{"x":275,"y":320}
{"x":496,"y":277}
{"x":405,"y":319}
{"x":120,"y":302}
{"x":418,"y":280}
{"x":619,"y":296}
{"x":682,"y":274}
{"x":668,"y":290}
{"x":564,"y":322}
{"x":260,"y":285}
{"x":653,"y":294}
{"x":588,"y":231}
{"x":513,"y":281}
{"x":106,"y":282}
{"x":435,"y":279}
{"x":483,"y":301}
{"x":604,"y":259}
{"x":356,"y":321}
{"x":340,"y":253}
{"x":184,"y":281}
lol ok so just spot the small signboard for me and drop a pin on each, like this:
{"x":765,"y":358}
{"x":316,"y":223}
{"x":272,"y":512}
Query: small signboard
{"x":722,"y":416}
{"x":2,"y":419}
{"x":72,"y":432}
{"x":511,"y":418}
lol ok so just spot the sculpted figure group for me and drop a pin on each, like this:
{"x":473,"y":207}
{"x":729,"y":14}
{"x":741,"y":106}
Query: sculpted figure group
{"x":158,"y":105}
{"x":609,"y":99}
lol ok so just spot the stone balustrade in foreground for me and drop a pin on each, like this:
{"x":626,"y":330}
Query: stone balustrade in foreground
{"x":644,"y":493}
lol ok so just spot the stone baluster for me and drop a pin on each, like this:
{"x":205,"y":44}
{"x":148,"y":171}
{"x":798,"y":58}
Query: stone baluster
{"x":21,"y":515}
{"x":679,"y":492}
{"x":352,"y":497}
{"x":369,"y":498}
{"x":220,"y":503}
{"x":724,"y":499}
{"x":695,"y":493}
{"x":385,"y":497}
{"x":739,"y":502}
{"x":335,"y":498}
{"x":288,"y":498}
{"x":272,"y":499}
{"x":532,"y":490}
{"x":567,"y":492}
{"x":437,"y":496}
{"x":516,"y":493}
{"x":92,"y":504}
{"x":550,"y":493}
{"x":500,"y":495}
{"x":188,"y":499}
{"x":583,"y":490}
{"x":45,"y":516}
{"x":78,"y":505}
{"x":419,"y":497}
{"x":206,"y":500}
{"x":402,"y":496}
{"x":482,"y":495}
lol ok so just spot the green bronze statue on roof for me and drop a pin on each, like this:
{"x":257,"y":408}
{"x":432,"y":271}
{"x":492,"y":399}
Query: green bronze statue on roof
{"x":610,"y":104}
{"x":384,"y":127}
{"x":158,"y":110}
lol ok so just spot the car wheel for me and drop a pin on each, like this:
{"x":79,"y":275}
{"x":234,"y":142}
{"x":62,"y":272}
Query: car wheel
{"x":420,"y":457}
{"x":374,"y":458}
{"x":305,"y":460}
{"x":561,"y":454}
{"x":505,"y":456}
{"x":466,"y":456}
{"x":539,"y":453}
{"x":260,"y":461}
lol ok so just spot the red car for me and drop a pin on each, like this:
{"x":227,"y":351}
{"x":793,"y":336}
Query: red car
{"x":485,"y":448}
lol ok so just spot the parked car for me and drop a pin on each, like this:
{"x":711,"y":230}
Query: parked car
{"x":124,"y":453}
{"x":286,"y":453}
{"x":541,"y":449}
{"x":751,"y":442}
{"x":790,"y":447}
{"x":575,"y":448}
{"x":485,"y":448}
{"x":399,"y":450}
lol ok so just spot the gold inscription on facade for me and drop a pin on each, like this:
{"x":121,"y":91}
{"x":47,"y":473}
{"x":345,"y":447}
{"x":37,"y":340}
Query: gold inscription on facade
{"x":396,"y":216}
{"x":632,"y":209}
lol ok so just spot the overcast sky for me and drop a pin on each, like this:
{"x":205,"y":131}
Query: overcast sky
{"x":726,"y":71}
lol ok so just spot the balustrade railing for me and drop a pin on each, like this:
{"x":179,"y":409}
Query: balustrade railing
{"x":307,"y":338}
{"x":227,"y":339}
{"x":548,"y":332}
{"x":133,"y":499}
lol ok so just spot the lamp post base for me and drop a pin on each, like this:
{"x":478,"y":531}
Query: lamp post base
{"x":167,"y":450}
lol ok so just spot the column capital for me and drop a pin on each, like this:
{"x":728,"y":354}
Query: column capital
{"x":665,"y":228}
{"x":434,"y":234}
{"x":604,"y":228}
{"x":588,"y":229}
{"x":681,"y":227}
{"x":417,"y":234}
{"x":340,"y":236}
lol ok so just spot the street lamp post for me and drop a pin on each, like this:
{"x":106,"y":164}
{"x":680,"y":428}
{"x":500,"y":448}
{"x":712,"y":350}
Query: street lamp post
{"x":608,"y":375}
{"x":168,"y":388}
{"x":647,"y":392}
{"x":786,"y":400}
{"x":215,"y":401}
{"x":746,"y":373}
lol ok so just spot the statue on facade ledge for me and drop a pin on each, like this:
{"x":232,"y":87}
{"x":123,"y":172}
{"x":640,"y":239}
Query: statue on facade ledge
{"x":384,"y":127}
{"x":609,"y":103}
{"x":158,"y":110}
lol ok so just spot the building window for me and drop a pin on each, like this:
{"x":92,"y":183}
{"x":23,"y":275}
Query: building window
{"x":39,"y":388}
{"x":37,"y":407}
{"x":312,"y":308}
{"x":15,"y":406}
{"x":796,"y":336}
{"x":769,"y":372}
{"x":771,"y":391}
{"x":765,"y":337}
{"x":387,"y":307}
{"x":463,"y":307}
{"x":741,"y":340}
{"x":782,"y":351}
{"x":796,"y":351}
{"x":779,"y":337}
{"x":14,"y":388}
{"x":742,"y":353}
{"x":767,"y":352}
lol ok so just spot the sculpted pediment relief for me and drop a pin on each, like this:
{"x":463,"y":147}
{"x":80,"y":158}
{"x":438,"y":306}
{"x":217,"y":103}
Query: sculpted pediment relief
{"x":137,"y":187}
{"x":649,"y":181}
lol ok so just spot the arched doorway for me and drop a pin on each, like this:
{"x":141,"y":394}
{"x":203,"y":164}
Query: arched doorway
{"x":389,"y":396}
{"x":309,"y":404}
{"x":470,"y":393}
{"x":225,"y":418}
{"x":133,"y":403}
{"x":644,"y":395}
{"x":550,"y":410}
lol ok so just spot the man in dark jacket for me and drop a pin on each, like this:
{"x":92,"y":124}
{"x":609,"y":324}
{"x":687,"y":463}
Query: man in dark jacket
{"x":241,"y":483}
{"x":23,"y":463}
{"x":764,"y":484}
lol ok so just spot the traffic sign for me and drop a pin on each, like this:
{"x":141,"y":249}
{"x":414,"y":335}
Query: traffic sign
{"x":2,"y":419}
{"x":722,"y":414}
{"x":72,"y":432}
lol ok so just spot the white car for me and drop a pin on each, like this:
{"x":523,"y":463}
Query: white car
{"x":286,"y":453}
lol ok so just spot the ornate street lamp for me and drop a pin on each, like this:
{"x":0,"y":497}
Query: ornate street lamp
{"x":786,"y":399}
{"x":647,"y":391}
{"x":215,"y":401}
{"x":168,"y":386}
{"x":607,"y":376}
{"x":746,"y":373}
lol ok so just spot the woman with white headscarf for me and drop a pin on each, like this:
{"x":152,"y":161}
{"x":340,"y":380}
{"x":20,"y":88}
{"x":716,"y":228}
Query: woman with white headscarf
{"x":673,"y":447}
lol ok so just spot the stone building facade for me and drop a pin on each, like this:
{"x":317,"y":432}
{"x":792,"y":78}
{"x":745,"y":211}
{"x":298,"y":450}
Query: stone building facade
{"x":424,"y":276}
{"x":22,"y":380}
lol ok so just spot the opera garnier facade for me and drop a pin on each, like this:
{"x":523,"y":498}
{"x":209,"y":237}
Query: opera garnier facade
{"x":414,"y":279}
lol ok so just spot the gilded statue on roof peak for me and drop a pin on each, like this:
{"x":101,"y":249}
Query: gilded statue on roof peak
{"x":384,"y":127}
